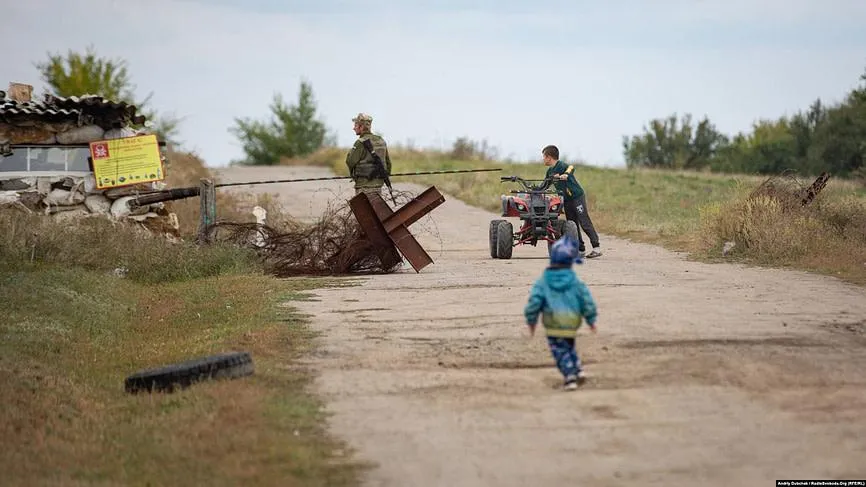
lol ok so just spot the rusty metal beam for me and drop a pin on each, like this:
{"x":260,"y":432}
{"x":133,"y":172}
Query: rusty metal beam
{"x":390,"y":228}
{"x":374,"y":230}
{"x":414,"y":210}
{"x":410,"y":248}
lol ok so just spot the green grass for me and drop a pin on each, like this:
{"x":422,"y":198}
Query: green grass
{"x":70,"y":336}
{"x":100,"y":244}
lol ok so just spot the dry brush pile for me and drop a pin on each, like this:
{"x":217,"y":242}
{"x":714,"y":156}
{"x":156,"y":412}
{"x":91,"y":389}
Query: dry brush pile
{"x":332,"y":245}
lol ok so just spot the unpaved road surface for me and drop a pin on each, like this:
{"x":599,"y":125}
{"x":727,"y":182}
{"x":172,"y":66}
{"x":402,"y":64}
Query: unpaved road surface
{"x":710,"y":375}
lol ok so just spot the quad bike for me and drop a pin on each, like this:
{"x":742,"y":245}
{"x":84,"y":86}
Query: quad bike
{"x":538,"y":209}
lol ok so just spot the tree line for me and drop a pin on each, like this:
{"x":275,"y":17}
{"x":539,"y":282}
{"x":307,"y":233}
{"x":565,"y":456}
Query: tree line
{"x":820,"y":138}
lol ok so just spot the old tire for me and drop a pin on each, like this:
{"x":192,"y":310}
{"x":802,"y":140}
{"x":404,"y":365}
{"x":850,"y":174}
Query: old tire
{"x":504,"y":239}
{"x":494,"y":225}
{"x":181,"y":375}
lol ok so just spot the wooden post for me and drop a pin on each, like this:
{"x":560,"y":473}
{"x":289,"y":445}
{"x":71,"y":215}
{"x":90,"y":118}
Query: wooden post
{"x":207,"y":197}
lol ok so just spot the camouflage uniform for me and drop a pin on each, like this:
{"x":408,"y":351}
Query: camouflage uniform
{"x":360,"y":162}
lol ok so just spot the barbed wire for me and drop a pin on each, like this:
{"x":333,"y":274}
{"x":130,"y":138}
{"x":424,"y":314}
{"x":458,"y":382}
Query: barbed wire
{"x":333,"y":244}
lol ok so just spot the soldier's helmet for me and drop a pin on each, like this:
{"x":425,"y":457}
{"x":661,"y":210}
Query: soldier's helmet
{"x":363,"y":118}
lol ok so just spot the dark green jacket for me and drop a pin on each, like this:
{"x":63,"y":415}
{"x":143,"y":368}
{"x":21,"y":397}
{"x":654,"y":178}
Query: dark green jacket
{"x":570,"y":187}
{"x":360,"y":162}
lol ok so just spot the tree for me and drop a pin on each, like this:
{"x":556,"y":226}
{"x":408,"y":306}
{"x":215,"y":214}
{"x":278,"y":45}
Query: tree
{"x":674,"y":144}
{"x":79,"y":74}
{"x":858,"y":95}
{"x":293,"y":131}
{"x":840,"y":142}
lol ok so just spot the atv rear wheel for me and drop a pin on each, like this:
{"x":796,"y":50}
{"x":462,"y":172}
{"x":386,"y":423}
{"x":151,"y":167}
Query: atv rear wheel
{"x":494,"y":225}
{"x":563,"y":228}
{"x":504,"y":239}
{"x":570,"y":229}
{"x":558,"y":228}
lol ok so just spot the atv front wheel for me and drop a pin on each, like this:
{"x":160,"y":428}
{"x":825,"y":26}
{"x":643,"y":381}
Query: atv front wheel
{"x":504,"y":239}
{"x":494,"y":225}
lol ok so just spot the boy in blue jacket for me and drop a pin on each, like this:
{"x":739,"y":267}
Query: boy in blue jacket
{"x":564,"y":301}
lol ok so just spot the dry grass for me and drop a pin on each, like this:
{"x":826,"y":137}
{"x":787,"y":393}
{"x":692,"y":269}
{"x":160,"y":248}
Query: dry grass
{"x":322,"y":157}
{"x":68,"y":339}
{"x":100,"y":244}
{"x":828,"y":235}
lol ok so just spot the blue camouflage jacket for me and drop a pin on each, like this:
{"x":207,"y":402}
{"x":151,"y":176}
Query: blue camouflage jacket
{"x":563,"y":300}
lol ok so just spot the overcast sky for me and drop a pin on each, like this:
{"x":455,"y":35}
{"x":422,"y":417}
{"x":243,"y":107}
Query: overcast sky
{"x":578,"y":74}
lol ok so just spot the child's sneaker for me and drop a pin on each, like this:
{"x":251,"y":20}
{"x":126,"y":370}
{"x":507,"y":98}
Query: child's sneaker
{"x":596,"y":252}
{"x":570,"y":386}
{"x":581,"y":377}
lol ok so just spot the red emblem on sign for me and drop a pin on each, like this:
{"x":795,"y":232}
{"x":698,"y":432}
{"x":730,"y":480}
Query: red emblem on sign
{"x":100,"y":150}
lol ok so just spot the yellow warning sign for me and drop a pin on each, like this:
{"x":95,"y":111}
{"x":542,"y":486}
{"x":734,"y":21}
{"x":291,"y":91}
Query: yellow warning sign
{"x":126,"y":161}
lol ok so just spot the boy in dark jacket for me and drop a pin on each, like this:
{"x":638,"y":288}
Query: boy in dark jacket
{"x":564,"y":301}
{"x":574,"y":201}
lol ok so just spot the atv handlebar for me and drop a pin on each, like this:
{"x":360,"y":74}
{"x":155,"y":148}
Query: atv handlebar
{"x":542,"y":187}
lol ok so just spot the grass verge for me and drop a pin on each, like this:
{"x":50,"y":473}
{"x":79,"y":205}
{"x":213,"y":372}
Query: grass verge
{"x":70,"y":336}
{"x":73,"y":329}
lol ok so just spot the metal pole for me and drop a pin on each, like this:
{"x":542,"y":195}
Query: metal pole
{"x":207,"y":198}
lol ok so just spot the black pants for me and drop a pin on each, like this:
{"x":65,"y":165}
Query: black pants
{"x":576,"y":211}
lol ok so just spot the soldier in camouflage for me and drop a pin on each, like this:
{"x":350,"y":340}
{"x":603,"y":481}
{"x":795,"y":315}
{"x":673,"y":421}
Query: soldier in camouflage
{"x":361,"y":166}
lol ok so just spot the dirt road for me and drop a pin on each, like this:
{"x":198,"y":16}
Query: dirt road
{"x":711,"y":375}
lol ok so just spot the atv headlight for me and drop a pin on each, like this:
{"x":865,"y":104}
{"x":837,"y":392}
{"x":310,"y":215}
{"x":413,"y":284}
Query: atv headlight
{"x":521,"y":207}
{"x":554,"y":208}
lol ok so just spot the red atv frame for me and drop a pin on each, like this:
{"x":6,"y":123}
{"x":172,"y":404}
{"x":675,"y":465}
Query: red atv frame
{"x":538,"y":209}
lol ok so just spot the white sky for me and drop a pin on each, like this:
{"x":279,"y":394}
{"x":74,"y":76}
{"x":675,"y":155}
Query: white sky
{"x":522,"y":75}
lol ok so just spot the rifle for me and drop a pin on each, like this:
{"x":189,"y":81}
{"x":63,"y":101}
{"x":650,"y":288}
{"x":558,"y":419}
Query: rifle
{"x":381,"y":166}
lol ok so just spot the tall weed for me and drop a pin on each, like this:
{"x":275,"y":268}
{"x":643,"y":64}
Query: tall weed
{"x":97,"y":243}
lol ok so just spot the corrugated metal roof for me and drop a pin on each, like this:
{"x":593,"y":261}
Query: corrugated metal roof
{"x":79,"y":110}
